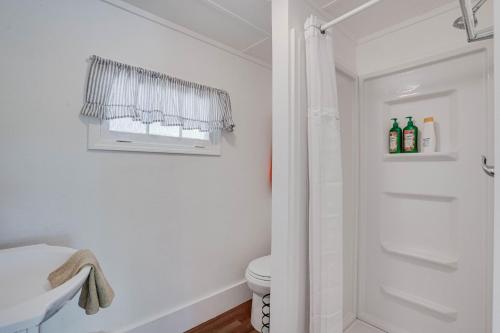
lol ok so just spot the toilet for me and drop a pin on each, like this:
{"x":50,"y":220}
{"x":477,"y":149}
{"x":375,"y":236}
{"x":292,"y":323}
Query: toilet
{"x":258,"y":275}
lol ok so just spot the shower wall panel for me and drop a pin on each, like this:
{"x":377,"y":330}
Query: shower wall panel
{"x":425,"y":219}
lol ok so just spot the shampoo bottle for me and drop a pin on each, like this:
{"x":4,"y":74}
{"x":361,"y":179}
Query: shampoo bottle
{"x":410,"y":137}
{"x":395,"y":137}
{"x":429,"y":136}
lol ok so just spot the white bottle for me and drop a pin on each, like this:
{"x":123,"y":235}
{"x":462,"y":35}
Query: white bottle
{"x":429,"y":136}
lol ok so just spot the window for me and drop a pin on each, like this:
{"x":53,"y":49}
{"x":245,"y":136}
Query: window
{"x":127,"y":125}
{"x":129,"y":135}
{"x":136,"y":109}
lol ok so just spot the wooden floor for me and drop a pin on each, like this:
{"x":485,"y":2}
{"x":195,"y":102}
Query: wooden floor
{"x":236,"y":320}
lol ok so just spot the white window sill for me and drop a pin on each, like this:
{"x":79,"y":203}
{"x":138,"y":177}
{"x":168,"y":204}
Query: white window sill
{"x":101,"y":139}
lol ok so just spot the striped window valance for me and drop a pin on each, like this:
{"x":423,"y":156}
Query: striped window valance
{"x":116,"y":90}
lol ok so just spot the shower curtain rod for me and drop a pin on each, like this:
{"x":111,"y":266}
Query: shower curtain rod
{"x":345,"y":16}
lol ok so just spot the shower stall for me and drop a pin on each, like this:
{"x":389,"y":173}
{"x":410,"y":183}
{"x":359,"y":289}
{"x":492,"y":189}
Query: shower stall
{"x":417,"y":229}
{"x":425,"y":223}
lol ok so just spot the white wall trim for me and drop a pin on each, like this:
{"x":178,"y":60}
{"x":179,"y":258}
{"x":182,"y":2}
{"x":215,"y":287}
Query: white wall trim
{"x":282,"y":309}
{"x":470,"y":48}
{"x":99,"y":137}
{"x":356,"y":183}
{"x":496,"y":196}
{"x":189,"y":315}
{"x":349,"y":317}
{"x":178,"y":28}
{"x":405,"y":24}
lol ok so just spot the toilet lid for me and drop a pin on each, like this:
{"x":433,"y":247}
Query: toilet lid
{"x":260,"y":268}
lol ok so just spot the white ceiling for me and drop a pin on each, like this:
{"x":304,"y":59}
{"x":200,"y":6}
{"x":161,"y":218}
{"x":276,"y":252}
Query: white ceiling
{"x":245,"y":25}
{"x":378,"y":17}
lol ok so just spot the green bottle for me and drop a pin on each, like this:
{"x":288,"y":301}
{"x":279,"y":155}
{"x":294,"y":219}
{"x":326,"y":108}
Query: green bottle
{"x":410,"y":137}
{"x":395,"y":137}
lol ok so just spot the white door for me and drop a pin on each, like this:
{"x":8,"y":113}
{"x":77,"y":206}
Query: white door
{"x":425,"y":219}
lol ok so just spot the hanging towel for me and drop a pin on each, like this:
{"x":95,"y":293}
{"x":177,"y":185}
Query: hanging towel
{"x":96,"y":291}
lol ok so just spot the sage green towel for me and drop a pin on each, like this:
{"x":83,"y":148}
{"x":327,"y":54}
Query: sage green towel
{"x":96,"y":291}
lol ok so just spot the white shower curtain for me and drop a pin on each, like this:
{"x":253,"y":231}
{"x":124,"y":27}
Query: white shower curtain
{"x":325,"y":183}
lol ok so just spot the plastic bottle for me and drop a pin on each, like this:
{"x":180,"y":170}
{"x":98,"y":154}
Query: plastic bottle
{"x":410,"y":137}
{"x":395,"y":137}
{"x":429,"y":136}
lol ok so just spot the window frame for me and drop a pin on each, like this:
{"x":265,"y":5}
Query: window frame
{"x":101,"y":138}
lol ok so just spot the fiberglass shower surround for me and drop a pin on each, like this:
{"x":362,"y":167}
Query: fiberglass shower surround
{"x":325,"y":182}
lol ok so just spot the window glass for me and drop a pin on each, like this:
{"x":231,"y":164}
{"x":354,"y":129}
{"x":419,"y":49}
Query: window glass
{"x":195,"y":134}
{"x":158,"y":129}
{"x":127,"y":125}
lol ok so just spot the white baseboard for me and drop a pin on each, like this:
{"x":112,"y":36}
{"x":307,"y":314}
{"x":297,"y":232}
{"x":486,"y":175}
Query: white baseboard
{"x":192,"y":314}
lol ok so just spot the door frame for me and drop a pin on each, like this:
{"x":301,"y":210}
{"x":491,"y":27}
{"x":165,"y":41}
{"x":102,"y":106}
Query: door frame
{"x":496,"y":232}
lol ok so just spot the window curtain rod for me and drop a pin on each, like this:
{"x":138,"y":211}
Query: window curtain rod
{"x":347,"y":15}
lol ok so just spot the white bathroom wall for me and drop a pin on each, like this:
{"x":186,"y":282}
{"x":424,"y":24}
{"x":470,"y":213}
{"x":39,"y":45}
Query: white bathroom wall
{"x":417,"y":38}
{"x":169,"y":230}
{"x":289,"y":212}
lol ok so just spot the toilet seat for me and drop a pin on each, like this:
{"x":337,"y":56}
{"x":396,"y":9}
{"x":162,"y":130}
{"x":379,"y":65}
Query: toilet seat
{"x":260,"y":268}
{"x":258,"y":277}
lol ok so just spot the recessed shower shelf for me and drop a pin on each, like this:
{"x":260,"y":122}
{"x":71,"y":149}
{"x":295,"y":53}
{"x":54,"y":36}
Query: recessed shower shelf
{"x":433,"y":258}
{"x":439,"y":156}
{"x":423,"y":303}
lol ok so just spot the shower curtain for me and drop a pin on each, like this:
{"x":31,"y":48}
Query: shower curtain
{"x":325,"y":182}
